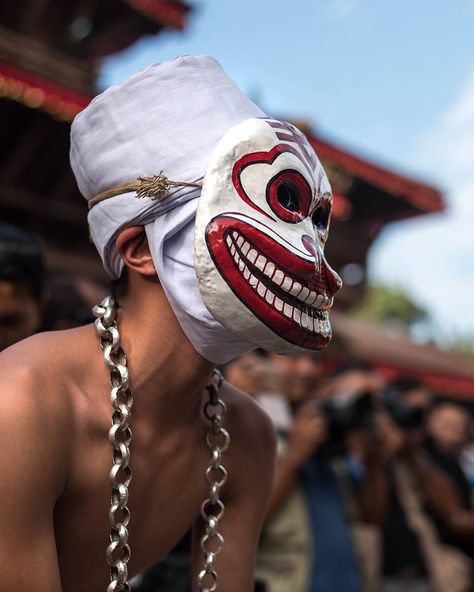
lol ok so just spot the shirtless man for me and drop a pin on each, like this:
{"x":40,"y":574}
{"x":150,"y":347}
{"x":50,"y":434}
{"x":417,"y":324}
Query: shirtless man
{"x":183,"y":308}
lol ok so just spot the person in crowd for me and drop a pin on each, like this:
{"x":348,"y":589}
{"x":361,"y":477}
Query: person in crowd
{"x":448,"y":434}
{"x":246,"y":373}
{"x":448,"y":429}
{"x":412,"y":492}
{"x":299,"y":376}
{"x":323,"y":471}
{"x":261,"y":376}
{"x":400,"y":434}
{"x":68,"y":301}
{"x":21,"y":285}
{"x":467,"y":459}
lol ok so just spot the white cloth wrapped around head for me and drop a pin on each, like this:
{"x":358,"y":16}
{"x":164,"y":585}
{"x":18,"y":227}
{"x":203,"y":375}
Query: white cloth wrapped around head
{"x":174,"y":118}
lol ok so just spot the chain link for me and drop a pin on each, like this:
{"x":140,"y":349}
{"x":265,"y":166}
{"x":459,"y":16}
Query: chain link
{"x":120,"y":436}
{"x":212,"y":510}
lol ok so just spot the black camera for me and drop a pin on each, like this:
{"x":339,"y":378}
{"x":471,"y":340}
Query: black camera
{"x":345,"y":414}
{"x":407,"y":417}
{"x":358,"y":411}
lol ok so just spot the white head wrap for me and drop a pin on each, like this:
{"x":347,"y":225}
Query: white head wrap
{"x":169,"y":118}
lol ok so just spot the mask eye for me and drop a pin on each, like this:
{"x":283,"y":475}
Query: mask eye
{"x":322,"y":215}
{"x":289,"y":196}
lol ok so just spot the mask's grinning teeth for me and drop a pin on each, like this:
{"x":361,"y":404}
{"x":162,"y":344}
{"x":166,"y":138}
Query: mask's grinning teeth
{"x":303,"y":306}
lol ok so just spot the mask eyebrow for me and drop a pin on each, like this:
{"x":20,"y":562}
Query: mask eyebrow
{"x":317,"y":196}
{"x":289,"y":133}
{"x":266,"y":157}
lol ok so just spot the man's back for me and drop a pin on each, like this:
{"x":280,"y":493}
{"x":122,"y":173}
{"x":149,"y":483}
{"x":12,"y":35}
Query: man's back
{"x":55,"y":418}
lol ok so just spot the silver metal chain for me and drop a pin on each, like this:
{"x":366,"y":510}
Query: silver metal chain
{"x":120,"y":435}
{"x":212,"y":510}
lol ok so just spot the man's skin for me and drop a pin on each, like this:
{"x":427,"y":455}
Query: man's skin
{"x":56,"y":457}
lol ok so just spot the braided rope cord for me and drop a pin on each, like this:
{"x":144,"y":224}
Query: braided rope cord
{"x":154,"y":187}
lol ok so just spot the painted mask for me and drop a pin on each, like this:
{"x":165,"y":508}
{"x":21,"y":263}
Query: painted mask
{"x":261,"y":225}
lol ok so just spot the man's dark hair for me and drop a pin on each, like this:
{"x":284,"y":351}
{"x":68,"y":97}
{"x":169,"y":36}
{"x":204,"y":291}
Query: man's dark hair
{"x":64,"y":303}
{"x":21,"y":258}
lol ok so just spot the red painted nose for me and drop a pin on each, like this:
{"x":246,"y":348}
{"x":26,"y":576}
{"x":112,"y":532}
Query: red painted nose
{"x":334,"y":282}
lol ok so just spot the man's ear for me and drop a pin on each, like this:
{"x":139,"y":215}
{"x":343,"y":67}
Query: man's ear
{"x":132,"y":244}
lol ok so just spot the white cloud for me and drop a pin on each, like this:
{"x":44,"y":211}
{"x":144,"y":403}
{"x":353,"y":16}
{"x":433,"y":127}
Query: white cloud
{"x":461,"y":111}
{"x":343,"y":10}
{"x":449,"y":147}
{"x":434,"y":257}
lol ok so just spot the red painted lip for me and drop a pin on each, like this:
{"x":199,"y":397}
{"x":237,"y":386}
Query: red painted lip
{"x":261,"y":272}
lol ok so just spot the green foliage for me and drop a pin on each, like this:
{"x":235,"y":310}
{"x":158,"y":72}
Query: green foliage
{"x":462,"y":343}
{"x":391,"y":305}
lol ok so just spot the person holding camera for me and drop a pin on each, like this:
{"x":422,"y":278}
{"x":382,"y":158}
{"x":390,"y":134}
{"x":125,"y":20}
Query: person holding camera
{"x":413,"y":492}
{"x":448,"y":433}
{"x":322,"y":472}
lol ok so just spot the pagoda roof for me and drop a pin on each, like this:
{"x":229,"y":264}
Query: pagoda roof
{"x":89,"y":30}
{"x":169,"y":13}
{"x":423,"y":198}
{"x":445,"y":372}
{"x":52,"y":66}
{"x":38,"y":92}
{"x":366,"y":190}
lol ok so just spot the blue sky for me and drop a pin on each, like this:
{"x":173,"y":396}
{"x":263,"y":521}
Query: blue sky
{"x":393,"y":81}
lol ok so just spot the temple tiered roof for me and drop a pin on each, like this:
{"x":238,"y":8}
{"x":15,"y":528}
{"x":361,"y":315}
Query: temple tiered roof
{"x":49,"y":57}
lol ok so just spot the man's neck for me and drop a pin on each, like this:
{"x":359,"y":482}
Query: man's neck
{"x":167,"y":375}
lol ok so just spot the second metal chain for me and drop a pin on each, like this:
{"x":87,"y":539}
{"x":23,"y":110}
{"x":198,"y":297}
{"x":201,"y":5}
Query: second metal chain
{"x":212,"y":510}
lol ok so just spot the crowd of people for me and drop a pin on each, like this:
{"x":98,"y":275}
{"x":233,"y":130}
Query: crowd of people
{"x":33,"y":300}
{"x":374,"y":479}
{"x":373,"y":487}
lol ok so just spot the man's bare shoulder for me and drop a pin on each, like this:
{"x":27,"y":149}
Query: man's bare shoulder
{"x":49,"y":340}
{"x":36,"y":417}
{"x":45,"y":354}
{"x":35,"y":375}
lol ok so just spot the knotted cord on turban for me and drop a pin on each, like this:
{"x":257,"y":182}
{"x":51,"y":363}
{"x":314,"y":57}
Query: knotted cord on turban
{"x":155,"y":187}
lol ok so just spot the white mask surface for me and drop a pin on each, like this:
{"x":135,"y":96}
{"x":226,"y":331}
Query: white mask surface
{"x":261,"y":225}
